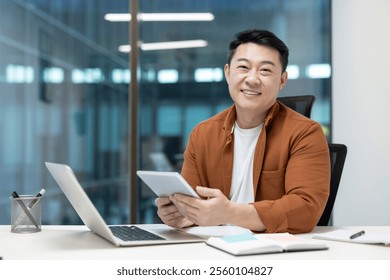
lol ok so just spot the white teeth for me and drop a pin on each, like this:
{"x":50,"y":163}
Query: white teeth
{"x":248,"y":92}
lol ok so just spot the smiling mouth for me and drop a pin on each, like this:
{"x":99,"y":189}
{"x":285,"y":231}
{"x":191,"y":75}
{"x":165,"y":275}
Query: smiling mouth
{"x":250,"y":92}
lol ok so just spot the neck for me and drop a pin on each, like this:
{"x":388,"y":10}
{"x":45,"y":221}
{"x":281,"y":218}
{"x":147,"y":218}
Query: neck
{"x":247,"y":122}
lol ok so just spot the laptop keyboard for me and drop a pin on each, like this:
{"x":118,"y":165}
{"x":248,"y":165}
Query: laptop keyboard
{"x":133,"y":233}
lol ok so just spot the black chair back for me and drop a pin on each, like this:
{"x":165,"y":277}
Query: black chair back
{"x":338,"y":153}
{"x":300,"y":103}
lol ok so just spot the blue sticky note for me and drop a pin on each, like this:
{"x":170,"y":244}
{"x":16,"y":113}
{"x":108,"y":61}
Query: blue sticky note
{"x":238,"y":237}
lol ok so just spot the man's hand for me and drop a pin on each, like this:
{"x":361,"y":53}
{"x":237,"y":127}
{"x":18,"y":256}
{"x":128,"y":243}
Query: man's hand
{"x":170,"y":215}
{"x":217,"y":209}
{"x":204,"y":212}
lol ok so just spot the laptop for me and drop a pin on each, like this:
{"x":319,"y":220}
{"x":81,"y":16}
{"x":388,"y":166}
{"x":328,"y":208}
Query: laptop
{"x":120,"y":235}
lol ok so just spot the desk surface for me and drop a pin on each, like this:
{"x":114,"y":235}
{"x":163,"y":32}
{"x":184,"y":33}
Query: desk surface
{"x":78,"y":242}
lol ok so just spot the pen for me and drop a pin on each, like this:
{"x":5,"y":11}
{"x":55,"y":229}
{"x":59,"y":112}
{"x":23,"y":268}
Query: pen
{"x":356,"y":235}
{"x":31,"y":205}
{"x":26,"y":211}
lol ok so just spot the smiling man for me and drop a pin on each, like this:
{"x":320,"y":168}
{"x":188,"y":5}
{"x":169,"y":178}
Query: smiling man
{"x":258,"y":164}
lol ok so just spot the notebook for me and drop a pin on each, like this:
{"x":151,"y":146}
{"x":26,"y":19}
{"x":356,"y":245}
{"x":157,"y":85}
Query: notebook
{"x":355,"y":237}
{"x":66,"y":179}
{"x":250,"y":244}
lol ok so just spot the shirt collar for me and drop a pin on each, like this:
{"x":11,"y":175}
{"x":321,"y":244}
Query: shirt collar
{"x":231,"y":117}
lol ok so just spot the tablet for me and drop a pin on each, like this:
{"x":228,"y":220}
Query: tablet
{"x":165,"y":183}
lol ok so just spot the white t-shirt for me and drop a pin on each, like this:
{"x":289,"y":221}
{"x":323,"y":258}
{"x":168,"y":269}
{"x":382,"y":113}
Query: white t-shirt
{"x":244,"y":149}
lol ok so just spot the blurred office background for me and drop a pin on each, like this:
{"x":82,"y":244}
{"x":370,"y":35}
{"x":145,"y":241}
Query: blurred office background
{"x":65,"y":87}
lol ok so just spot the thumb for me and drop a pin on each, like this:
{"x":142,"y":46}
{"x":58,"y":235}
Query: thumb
{"x":207,"y":192}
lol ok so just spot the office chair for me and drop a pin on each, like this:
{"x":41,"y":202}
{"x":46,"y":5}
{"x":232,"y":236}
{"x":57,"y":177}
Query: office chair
{"x":300,"y":103}
{"x":338,"y":153}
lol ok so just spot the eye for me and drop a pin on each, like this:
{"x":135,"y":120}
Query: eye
{"x":242,"y":66}
{"x":266,"y":71}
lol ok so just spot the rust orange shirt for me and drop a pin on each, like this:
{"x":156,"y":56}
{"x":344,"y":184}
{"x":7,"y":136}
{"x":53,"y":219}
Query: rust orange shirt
{"x":291,"y":168}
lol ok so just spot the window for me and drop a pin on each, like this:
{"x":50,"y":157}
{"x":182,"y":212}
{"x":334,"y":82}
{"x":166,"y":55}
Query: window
{"x":64,"y":92}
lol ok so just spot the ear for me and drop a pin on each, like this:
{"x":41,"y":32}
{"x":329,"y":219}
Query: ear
{"x":283,"y":80}
{"x":226,"y":70}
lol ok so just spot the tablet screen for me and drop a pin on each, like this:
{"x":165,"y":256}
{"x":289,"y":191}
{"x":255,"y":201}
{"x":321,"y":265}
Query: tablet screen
{"x":166,"y":183}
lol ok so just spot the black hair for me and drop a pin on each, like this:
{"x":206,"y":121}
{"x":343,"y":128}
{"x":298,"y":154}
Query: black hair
{"x":260,"y":37}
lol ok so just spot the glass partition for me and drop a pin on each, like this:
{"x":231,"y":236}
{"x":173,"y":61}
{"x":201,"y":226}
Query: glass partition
{"x":63,"y":98}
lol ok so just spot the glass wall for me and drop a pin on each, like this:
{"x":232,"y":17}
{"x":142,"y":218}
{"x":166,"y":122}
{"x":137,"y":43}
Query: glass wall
{"x":64,"y":82}
{"x":180,"y":87}
{"x":63,"y":98}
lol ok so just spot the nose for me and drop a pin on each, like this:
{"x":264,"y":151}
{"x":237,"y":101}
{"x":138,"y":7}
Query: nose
{"x":253,"y":77}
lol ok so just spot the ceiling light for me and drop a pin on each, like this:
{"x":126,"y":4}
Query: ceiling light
{"x":166,"y":45}
{"x":318,"y":71}
{"x":161,"y":17}
{"x":124,"y":48}
{"x":293,"y":72}
{"x":173,"y":45}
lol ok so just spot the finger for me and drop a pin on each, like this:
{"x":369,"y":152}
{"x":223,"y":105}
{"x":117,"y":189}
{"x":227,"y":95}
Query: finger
{"x":169,"y":217}
{"x":161,"y":201}
{"x":184,"y":199}
{"x":176,"y":220}
{"x":193,"y":217}
{"x":185,"y":204}
{"x":167,"y":210}
{"x":189,"y":211}
{"x":182,"y":223}
{"x":207,"y":192}
{"x":173,"y":216}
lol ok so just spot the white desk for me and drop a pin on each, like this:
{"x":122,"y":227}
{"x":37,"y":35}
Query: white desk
{"x":78,"y":242}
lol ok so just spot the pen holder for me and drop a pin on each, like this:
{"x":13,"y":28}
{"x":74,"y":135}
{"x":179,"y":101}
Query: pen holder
{"x":26,"y":214}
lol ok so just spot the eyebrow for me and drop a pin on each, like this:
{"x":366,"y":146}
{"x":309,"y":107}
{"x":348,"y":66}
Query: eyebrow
{"x":262,"y":62}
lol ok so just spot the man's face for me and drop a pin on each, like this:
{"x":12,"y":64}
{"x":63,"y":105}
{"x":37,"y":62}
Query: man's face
{"x":255,"y":78}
